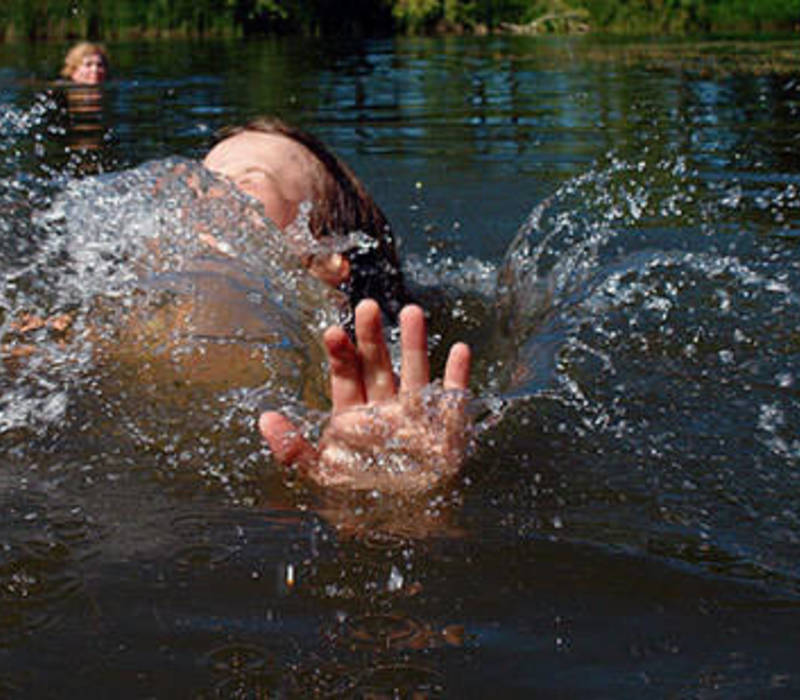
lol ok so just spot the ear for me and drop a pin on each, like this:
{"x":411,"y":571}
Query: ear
{"x":331,"y":269}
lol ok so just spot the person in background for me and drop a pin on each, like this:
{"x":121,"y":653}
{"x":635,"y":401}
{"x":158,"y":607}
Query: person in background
{"x":86,"y":68}
{"x":86,"y":63}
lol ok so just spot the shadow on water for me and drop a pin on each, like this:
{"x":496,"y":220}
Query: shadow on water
{"x":629,"y":521}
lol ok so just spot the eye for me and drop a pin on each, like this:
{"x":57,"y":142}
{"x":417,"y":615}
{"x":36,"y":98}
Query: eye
{"x":251,"y":176}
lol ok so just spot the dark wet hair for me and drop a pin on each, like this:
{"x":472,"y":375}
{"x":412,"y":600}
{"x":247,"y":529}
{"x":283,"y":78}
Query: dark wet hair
{"x":346,"y":207}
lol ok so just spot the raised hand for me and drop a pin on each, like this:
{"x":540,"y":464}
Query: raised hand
{"x":381,"y":436}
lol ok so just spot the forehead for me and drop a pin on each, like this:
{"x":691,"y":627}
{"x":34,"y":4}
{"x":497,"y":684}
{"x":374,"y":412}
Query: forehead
{"x":276,"y":154}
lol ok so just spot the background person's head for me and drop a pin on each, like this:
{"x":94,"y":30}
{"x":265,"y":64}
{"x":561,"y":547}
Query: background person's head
{"x":283,"y":166}
{"x":86,"y":63}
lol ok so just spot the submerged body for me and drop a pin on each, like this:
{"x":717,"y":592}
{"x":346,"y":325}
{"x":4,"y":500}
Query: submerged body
{"x":166,"y":262}
{"x":191,"y":290}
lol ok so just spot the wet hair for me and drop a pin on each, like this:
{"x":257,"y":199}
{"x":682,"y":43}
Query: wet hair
{"x":346,"y":207}
{"x":77,"y":53}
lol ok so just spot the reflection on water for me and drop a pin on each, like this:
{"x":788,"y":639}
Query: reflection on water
{"x":630,"y":521}
{"x":86,"y":130}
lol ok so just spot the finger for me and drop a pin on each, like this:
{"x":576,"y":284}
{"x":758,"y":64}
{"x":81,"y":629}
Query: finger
{"x":415,"y":372}
{"x":376,"y":365}
{"x":347,"y":385}
{"x":288,"y":446}
{"x":456,"y":371}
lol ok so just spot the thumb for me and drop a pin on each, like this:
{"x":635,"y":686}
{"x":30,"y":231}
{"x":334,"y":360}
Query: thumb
{"x":286,"y":442}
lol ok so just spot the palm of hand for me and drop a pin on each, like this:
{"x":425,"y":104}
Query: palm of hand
{"x":380,"y":436}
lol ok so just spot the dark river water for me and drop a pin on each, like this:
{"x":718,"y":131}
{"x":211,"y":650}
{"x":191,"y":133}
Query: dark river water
{"x":616,"y":228}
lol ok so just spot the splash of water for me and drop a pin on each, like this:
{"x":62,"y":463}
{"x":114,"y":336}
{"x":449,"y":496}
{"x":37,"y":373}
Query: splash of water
{"x":132,"y":244}
{"x":654,"y":315}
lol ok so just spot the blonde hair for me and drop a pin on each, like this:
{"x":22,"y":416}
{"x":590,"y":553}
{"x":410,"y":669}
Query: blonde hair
{"x":77,"y":53}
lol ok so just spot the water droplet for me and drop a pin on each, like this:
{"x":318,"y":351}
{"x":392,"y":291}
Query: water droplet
{"x":395,"y":582}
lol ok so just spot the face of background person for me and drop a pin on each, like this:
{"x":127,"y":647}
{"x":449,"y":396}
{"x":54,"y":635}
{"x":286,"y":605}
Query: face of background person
{"x":91,"y":70}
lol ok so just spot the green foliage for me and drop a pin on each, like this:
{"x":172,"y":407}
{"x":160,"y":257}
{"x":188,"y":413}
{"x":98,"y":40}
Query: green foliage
{"x":416,"y":16}
{"x":654,"y":16}
{"x":424,"y":15}
{"x":755,"y":13}
{"x":109,"y":19}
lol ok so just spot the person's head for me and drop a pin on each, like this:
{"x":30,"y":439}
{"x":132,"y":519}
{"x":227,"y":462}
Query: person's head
{"x":86,"y":63}
{"x":283,"y":167}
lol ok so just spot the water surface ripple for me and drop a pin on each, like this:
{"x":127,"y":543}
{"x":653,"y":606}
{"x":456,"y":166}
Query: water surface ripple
{"x":613,"y":226}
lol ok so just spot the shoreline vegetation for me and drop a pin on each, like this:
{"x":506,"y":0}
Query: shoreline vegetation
{"x":53,"y":20}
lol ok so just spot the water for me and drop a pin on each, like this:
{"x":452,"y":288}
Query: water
{"x":616,"y":227}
